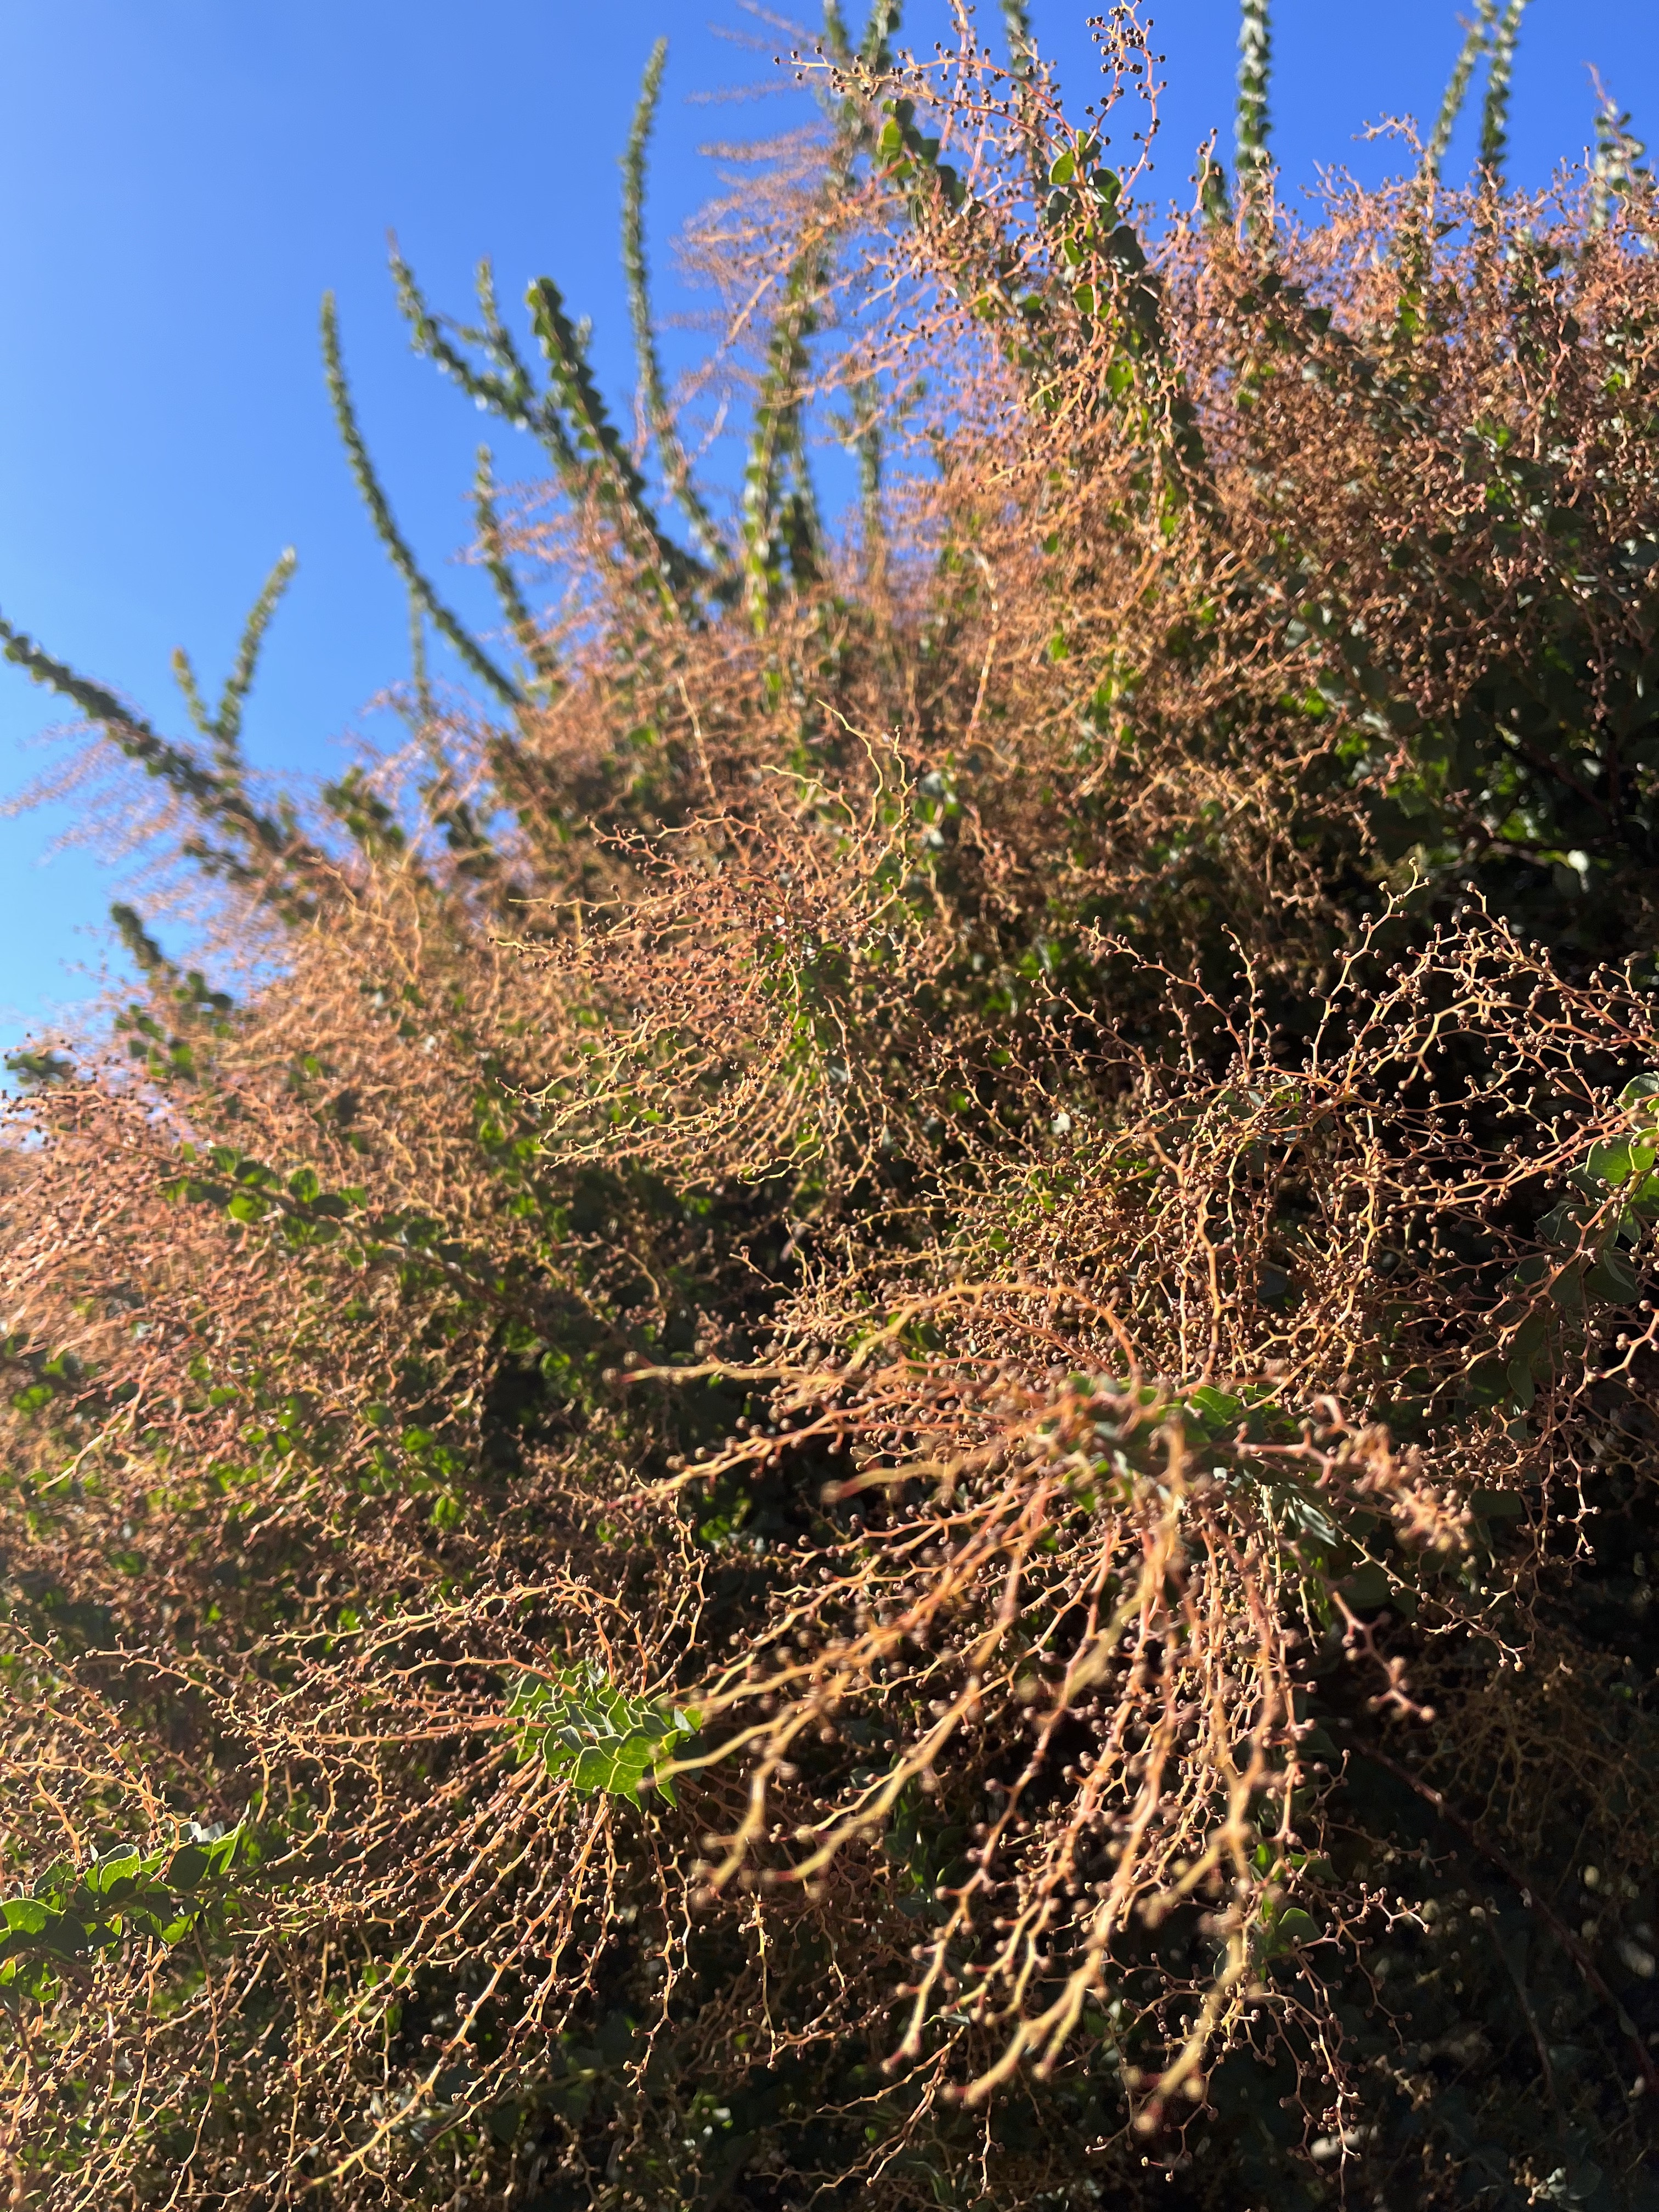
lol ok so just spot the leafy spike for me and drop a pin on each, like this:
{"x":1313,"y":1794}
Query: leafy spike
{"x":224,"y":729}
{"x":1254,"y":69}
{"x":216,"y":798}
{"x":184,"y":675}
{"x":510,"y":390}
{"x":533,"y":646}
{"x":836,"y":42}
{"x":1214,"y":199}
{"x":571,"y":419}
{"x":1476,"y":38}
{"x":867,"y":443}
{"x":875,"y":48}
{"x":803,"y":523}
{"x":770,"y":441}
{"x":610,"y":470}
{"x":677,"y":468}
{"x":145,"y":953}
{"x":386,"y":529}
{"x":777,"y":408}
{"x":227,"y":725}
{"x":1413,"y":254}
{"x":134,"y":736}
{"x":417,"y":669}
{"x":1618,"y":168}
{"x":1495,"y":113}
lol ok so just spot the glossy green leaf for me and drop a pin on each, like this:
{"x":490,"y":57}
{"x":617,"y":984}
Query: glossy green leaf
{"x":597,"y":1736}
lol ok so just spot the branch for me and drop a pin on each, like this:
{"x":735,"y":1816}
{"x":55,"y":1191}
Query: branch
{"x":1495,"y":113}
{"x":531,"y":643}
{"x":609,"y":473}
{"x":471,"y":651}
{"x":226,"y":728}
{"x":1254,"y":120}
{"x":677,"y":468}
{"x":214,"y":798}
{"x":1457,"y":89}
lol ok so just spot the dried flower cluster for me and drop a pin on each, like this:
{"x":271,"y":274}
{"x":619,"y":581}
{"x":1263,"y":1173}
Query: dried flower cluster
{"x":881,"y":1420}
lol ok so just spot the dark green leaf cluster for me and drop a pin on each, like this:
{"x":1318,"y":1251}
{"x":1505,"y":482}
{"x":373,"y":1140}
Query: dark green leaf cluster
{"x":72,"y":1917}
{"x":579,"y":1723}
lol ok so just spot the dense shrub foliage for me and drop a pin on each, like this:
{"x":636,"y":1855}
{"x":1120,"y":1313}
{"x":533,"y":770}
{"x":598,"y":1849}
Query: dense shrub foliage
{"x":874,"y":1419}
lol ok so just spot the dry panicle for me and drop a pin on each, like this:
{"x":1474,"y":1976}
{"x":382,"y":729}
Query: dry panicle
{"x":866,"y":1268}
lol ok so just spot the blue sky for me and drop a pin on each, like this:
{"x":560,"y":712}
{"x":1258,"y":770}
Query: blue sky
{"x":182,"y":181}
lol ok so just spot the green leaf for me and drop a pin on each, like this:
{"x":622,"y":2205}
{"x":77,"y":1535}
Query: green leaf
{"x":1367,"y":1588}
{"x":1613,"y":1279}
{"x":1563,"y":1223}
{"x":116,"y":1873}
{"x":1497,"y":1504}
{"x":1523,"y":1384}
{"x":1609,"y":1162}
{"x":29,"y":1915}
{"x":125,"y":1891}
{"x":602,"y":1740}
{"x":1216,"y":1408}
{"x":33,"y":1924}
{"x":187,"y":1867}
{"x":223,"y":1849}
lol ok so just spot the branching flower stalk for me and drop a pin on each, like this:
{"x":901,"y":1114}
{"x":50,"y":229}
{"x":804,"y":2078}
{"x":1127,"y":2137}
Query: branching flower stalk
{"x":880,"y":1422}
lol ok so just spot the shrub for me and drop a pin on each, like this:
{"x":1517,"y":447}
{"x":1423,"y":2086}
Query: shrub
{"x":880,"y":1421}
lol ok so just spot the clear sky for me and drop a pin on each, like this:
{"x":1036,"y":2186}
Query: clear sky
{"x":182,"y":181}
